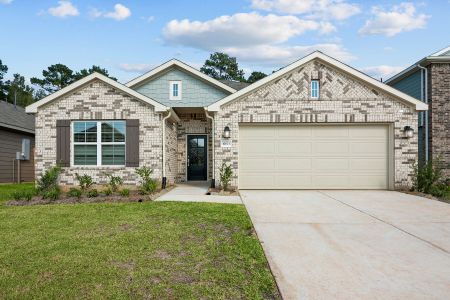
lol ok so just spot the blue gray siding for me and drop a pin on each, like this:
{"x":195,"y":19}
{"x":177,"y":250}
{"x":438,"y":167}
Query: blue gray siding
{"x":195,"y":92}
{"x":410,"y":85}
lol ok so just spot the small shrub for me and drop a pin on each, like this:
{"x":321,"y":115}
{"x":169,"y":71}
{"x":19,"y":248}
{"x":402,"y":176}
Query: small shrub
{"x":148,"y":184}
{"x":74,"y":192}
{"x":114,"y":182}
{"x":107,"y":192}
{"x":92,"y":193}
{"x":85,"y":181}
{"x":49,"y":180}
{"x":22,"y":195}
{"x":52,"y":194}
{"x":125,"y":192}
{"x":440,"y":191}
{"x":226,"y":172}
{"x":427,"y":176}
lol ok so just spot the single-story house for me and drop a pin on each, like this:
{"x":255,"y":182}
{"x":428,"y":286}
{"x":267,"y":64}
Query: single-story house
{"x":16,"y":144}
{"x":314,"y":124}
{"x":428,"y":79}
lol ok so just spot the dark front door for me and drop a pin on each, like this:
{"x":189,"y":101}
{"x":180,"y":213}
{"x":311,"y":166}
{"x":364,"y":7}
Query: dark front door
{"x":197,"y":157}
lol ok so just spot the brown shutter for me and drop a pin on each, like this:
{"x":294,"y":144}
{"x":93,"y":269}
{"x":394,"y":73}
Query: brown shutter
{"x":132,"y":143}
{"x":63,"y":142}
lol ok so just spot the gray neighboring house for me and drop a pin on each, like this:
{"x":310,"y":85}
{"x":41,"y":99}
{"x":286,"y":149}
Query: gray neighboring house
{"x":429,"y":80}
{"x":16,"y":126}
{"x":314,"y":124}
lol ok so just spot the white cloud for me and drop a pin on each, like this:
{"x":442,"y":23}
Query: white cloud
{"x":138,"y":68}
{"x":324,"y":9}
{"x":382,"y":71}
{"x":242,"y":29}
{"x":400,"y":18}
{"x":120,"y":13}
{"x":64,"y":9}
{"x":277,"y":55}
{"x":5,"y":1}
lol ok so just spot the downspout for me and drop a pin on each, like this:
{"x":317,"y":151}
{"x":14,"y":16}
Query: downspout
{"x":164,"y":178}
{"x":213,"y":133}
{"x":424,"y":97}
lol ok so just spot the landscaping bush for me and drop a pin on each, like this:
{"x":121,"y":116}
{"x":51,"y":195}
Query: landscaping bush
{"x":107,"y":192}
{"x":114,"y":182}
{"x":427,"y":176}
{"x":125,"y":192}
{"x":48,"y":182}
{"x":85,"y":181}
{"x":92,"y":193}
{"x":74,"y":192}
{"x":226,"y":172}
{"x":22,"y":195}
{"x":148,"y":184}
{"x":440,"y":191}
{"x":52,"y":194}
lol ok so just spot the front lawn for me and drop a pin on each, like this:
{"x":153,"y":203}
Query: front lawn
{"x":155,"y":250}
{"x":7,"y":189}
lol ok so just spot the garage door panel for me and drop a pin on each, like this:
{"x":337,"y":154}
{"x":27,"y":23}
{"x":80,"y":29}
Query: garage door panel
{"x":314,"y":157}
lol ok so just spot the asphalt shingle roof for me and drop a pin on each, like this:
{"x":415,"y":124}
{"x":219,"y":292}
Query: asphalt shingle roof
{"x":15,"y":117}
{"x":237,"y":85}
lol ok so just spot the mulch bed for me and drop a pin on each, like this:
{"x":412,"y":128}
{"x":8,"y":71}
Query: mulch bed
{"x":428,"y":196}
{"x":134,"y":197}
{"x":220,"y":192}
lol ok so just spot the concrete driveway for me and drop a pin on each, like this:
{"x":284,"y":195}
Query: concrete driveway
{"x":354,"y":244}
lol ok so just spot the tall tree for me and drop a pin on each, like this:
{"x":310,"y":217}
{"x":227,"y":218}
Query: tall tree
{"x":3,"y":87}
{"x":55,"y":78}
{"x":19,"y":92}
{"x":255,"y":76}
{"x":85,"y":72}
{"x":222,"y":66}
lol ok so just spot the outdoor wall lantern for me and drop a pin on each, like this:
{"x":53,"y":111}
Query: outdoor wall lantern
{"x":408,"y":132}
{"x":226,"y":132}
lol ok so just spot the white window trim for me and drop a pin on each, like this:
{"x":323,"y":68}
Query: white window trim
{"x":180,"y":89}
{"x":311,"y":89}
{"x":99,"y":144}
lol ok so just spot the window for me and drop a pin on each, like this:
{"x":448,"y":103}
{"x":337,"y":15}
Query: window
{"x":315,"y":89}
{"x":99,"y":143}
{"x":175,"y":90}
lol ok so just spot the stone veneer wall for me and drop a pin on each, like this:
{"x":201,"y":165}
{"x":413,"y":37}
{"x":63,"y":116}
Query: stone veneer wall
{"x":98,"y":101}
{"x":192,"y":123}
{"x":439,"y":120}
{"x":343,"y":99}
{"x":171,"y":152}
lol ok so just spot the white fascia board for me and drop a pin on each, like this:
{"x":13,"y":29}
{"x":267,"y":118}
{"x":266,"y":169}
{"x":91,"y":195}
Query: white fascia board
{"x":32,"y":108}
{"x":419,"y":105}
{"x":183,"y":66}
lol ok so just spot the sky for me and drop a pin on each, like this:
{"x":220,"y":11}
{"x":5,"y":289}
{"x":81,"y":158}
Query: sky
{"x":131,"y":37}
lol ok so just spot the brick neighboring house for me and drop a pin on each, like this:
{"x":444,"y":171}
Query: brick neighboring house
{"x":429,"y":80}
{"x":316,"y":123}
{"x":15,"y":127}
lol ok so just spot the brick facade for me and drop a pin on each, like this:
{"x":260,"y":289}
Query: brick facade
{"x":343,"y":99}
{"x":98,"y":101}
{"x":439,"y":119}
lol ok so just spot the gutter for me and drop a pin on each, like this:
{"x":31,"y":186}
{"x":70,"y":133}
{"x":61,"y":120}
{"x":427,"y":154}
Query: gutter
{"x":213,"y":133}
{"x":424,"y":91}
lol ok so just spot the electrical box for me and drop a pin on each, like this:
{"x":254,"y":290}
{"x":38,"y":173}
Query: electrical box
{"x":25,"y":153}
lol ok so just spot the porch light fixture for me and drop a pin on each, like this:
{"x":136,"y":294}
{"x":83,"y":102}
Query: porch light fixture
{"x":408,"y":131}
{"x":226,"y":132}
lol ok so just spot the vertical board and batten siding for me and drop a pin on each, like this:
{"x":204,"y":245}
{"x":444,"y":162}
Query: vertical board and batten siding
{"x":63,"y":142}
{"x":195,"y":92}
{"x":132,"y":143}
{"x":11,"y":142}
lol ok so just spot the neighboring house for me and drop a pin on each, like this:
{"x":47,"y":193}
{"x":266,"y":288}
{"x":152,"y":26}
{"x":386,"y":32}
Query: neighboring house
{"x":16,"y":129}
{"x":316,"y":123}
{"x":429,"y":80}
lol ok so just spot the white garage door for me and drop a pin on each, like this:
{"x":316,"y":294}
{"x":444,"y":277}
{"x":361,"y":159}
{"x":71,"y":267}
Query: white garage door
{"x":313,"y":157}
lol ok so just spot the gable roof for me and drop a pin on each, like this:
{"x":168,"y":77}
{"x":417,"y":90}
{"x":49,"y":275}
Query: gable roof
{"x":419,"y":105}
{"x":442,"y":55}
{"x":15,"y":117}
{"x":237,"y":85}
{"x":176,"y":63}
{"x":33,"y":107}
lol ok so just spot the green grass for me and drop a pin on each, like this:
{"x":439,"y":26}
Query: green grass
{"x":7,"y":189}
{"x":155,"y":250}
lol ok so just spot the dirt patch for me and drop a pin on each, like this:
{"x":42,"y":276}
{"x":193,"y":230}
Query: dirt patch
{"x":428,"y":196}
{"x":161,"y":254}
{"x":125,"y":227}
{"x":125,"y":265}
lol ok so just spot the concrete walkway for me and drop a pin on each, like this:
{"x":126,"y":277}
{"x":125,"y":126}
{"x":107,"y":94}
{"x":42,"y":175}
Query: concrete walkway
{"x":354,"y":244}
{"x":196,"y":192}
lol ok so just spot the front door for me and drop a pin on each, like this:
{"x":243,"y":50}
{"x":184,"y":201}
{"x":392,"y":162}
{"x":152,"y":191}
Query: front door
{"x":197,"y":157}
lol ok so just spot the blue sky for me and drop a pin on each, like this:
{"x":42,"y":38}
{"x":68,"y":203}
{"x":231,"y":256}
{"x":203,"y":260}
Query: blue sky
{"x":130,"y":37}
